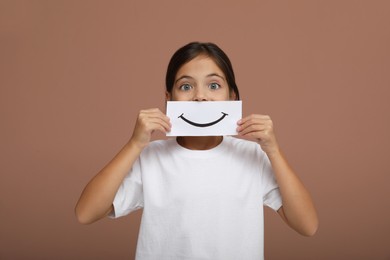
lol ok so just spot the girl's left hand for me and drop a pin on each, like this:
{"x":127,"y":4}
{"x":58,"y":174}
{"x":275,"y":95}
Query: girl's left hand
{"x":259,"y":127}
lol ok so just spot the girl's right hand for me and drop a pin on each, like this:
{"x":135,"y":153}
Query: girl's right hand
{"x":148,"y":121}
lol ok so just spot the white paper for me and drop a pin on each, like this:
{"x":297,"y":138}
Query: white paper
{"x":208,"y":118}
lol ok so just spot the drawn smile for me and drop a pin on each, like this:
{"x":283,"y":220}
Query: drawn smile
{"x":203,"y":125}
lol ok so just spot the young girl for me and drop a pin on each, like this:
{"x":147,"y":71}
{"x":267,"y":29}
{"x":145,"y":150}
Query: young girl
{"x":202,"y":197}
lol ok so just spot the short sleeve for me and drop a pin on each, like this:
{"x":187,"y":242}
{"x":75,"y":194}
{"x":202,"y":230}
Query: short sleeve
{"x":129,"y":196}
{"x":271,"y":194}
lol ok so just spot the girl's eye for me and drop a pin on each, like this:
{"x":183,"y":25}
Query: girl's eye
{"x":185,"y":87}
{"x":214,"y":86}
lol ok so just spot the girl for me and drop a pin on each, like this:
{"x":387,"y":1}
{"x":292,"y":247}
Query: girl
{"x":202,"y":197}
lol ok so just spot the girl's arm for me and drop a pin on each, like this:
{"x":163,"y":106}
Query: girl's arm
{"x":96,"y":200}
{"x":298,"y":209}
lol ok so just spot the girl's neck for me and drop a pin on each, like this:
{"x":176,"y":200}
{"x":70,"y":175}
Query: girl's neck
{"x":199,"y":142}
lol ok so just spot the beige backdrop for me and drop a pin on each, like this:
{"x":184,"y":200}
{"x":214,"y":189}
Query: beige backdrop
{"x":75,"y":73}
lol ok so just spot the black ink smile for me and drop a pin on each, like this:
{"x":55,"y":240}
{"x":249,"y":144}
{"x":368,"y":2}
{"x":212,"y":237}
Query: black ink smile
{"x":203,"y":125}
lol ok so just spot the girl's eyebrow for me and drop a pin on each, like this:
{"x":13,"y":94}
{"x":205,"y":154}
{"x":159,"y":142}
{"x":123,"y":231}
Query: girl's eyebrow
{"x":183,"y":77}
{"x":217,"y":75}
{"x":208,"y":76}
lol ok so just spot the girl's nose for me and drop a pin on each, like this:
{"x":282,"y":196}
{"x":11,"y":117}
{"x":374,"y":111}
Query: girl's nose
{"x":199,"y":96}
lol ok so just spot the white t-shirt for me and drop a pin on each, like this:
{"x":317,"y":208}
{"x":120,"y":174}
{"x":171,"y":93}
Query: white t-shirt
{"x":200,"y":204}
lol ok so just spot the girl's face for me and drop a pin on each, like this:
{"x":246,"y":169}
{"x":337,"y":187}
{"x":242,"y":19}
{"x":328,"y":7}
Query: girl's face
{"x":200,"y":80}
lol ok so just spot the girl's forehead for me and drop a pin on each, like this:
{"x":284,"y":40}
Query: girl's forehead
{"x":200,"y":64}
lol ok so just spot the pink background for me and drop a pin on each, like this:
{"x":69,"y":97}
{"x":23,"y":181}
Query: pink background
{"x":73,"y":75}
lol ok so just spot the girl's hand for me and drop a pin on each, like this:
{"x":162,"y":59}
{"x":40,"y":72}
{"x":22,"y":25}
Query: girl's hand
{"x":148,"y":121}
{"x":259,"y":127}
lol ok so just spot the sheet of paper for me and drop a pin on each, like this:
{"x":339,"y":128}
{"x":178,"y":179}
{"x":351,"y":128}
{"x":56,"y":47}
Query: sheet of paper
{"x":209,"y":118}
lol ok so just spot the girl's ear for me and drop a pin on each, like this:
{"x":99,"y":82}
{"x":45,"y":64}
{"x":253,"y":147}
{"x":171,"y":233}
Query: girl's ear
{"x":167,"y":96}
{"x":232,"y":95}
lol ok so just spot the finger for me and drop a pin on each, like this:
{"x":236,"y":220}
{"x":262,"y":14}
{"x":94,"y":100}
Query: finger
{"x":153,"y":112}
{"x":253,"y":118}
{"x":164,"y":119}
{"x":256,"y":135}
{"x":159,"y":122}
{"x":159,"y":115}
{"x":251,"y":128}
{"x":153,"y":115}
{"x":150,"y":110}
{"x":164,"y":123}
{"x":258,"y":125}
{"x":261,"y":134}
{"x":255,"y":123}
{"x":160,"y":128}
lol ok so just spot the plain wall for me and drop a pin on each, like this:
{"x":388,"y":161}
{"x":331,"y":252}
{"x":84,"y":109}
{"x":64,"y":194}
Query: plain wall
{"x":74,"y":74}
